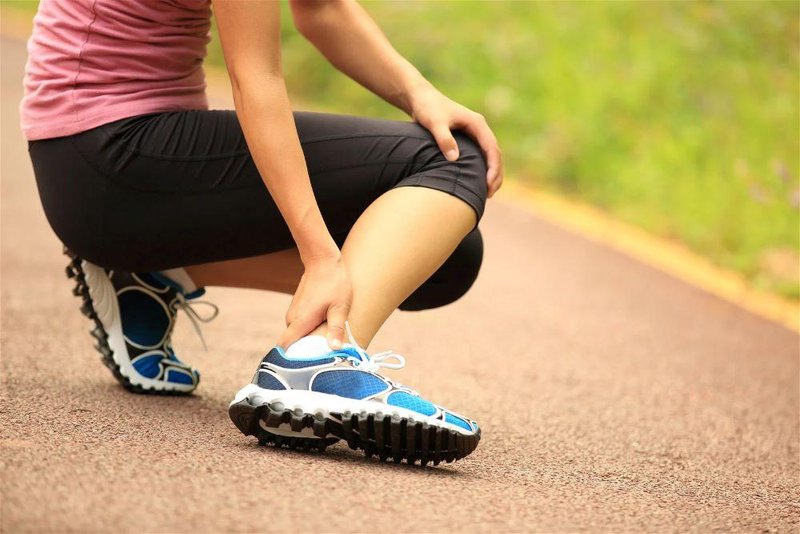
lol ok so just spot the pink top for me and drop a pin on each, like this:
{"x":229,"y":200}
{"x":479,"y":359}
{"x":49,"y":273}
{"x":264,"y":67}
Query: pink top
{"x":95,"y":61}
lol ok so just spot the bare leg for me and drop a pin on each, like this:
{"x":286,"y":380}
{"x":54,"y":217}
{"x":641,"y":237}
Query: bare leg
{"x":396,"y":244}
{"x":279,"y":271}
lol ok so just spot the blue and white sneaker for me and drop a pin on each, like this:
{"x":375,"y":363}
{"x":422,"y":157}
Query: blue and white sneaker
{"x":310,"y":403}
{"x":134,"y":315}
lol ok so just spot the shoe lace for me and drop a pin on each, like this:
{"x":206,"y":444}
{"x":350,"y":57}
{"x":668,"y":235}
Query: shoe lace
{"x":196,"y":318}
{"x":373,"y":363}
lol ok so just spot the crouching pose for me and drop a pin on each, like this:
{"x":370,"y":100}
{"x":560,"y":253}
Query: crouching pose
{"x":156,"y":197}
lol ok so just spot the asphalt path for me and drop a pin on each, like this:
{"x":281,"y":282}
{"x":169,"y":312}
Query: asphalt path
{"x":612,"y":397}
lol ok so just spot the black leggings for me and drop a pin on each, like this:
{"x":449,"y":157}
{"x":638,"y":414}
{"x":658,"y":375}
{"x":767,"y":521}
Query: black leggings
{"x":179,"y":188}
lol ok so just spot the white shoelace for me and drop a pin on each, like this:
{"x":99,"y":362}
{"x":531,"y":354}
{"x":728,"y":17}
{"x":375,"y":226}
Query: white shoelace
{"x":375,"y":362}
{"x":194,"y":316}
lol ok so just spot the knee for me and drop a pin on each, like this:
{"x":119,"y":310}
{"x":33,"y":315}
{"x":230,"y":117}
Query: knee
{"x":464,"y":178}
{"x":470,"y":157}
{"x":467,"y":175}
{"x":472,"y":166}
{"x":453,"y":279}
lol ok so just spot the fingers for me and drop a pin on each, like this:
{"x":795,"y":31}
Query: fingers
{"x":295,"y":330}
{"x":337,"y":315}
{"x":447,"y":143}
{"x":480,"y":131}
{"x":494,"y":176}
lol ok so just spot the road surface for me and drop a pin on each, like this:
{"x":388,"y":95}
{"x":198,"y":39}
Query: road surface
{"x":611,"y":397}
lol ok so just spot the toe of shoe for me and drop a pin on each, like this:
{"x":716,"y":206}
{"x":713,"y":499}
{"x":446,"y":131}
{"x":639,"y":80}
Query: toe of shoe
{"x":461,"y":422}
{"x":182,"y":377}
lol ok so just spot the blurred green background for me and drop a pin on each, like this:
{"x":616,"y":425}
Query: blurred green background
{"x":682,"y":118}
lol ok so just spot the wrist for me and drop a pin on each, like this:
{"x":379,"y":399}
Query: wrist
{"x":321,"y":256}
{"x":416,"y":94}
{"x":318,"y":249}
{"x":314,"y":242}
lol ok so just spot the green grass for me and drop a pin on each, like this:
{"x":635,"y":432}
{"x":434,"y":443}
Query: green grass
{"x":678,"y":117}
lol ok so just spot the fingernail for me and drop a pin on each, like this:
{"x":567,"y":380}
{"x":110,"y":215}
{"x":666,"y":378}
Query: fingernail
{"x":335,"y":343}
{"x":452,"y":154}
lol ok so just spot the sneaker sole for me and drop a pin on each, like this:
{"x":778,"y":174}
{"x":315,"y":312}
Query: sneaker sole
{"x":393,"y":436}
{"x":75,"y":271}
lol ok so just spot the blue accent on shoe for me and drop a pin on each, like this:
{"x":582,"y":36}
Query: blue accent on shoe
{"x":349,"y":352}
{"x":179,"y":377}
{"x":147,"y":366}
{"x":171,"y":355}
{"x":350,"y":384}
{"x":163,"y":280}
{"x":144,"y":319}
{"x":278,"y":358}
{"x":199,"y":292}
{"x":267,"y":380}
{"x":412,"y":402}
{"x":458,"y":421}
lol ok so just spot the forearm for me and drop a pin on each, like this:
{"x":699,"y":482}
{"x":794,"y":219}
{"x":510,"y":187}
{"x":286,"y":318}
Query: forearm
{"x":250,"y":36}
{"x":348,"y":37}
{"x":264,"y":113}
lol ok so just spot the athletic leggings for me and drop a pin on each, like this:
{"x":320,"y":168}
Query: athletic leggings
{"x":179,"y":188}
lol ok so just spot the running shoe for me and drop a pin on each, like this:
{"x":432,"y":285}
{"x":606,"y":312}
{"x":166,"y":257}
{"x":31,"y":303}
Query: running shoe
{"x":310,"y":403}
{"x":134,"y":315}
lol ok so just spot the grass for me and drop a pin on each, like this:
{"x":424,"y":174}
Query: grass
{"x":682,"y":118}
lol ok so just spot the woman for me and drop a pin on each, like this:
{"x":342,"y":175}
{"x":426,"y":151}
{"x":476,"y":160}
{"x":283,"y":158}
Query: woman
{"x":155,"y":197}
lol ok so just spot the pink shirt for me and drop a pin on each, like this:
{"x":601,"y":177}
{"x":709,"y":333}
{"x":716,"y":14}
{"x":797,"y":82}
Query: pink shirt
{"x":95,"y":61}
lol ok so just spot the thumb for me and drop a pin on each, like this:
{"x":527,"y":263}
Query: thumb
{"x":294,"y":331}
{"x":447,"y":143}
{"x":337,"y":315}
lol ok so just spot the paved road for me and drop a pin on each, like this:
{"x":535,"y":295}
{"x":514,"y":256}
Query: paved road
{"x":612,"y":397}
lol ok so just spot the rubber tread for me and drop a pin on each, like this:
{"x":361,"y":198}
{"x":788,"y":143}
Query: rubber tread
{"x":248,"y":419}
{"x":390,"y":437}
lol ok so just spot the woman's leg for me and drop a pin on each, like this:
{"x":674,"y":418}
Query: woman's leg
{"x":384,"y":254}
{"x":397,"y":244}
{"x":400,"y":239}
{"x":278,"y":271}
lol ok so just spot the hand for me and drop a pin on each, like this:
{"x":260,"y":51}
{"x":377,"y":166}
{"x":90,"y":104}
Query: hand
{"x":324,"y":294}
{"x":439,"y":115}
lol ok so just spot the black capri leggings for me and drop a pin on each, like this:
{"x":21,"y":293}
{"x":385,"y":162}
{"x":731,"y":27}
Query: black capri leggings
{"x":178,"y":188}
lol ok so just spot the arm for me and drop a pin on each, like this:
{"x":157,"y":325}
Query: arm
{"x":348,"y":37}
{"x":250,"y":36}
